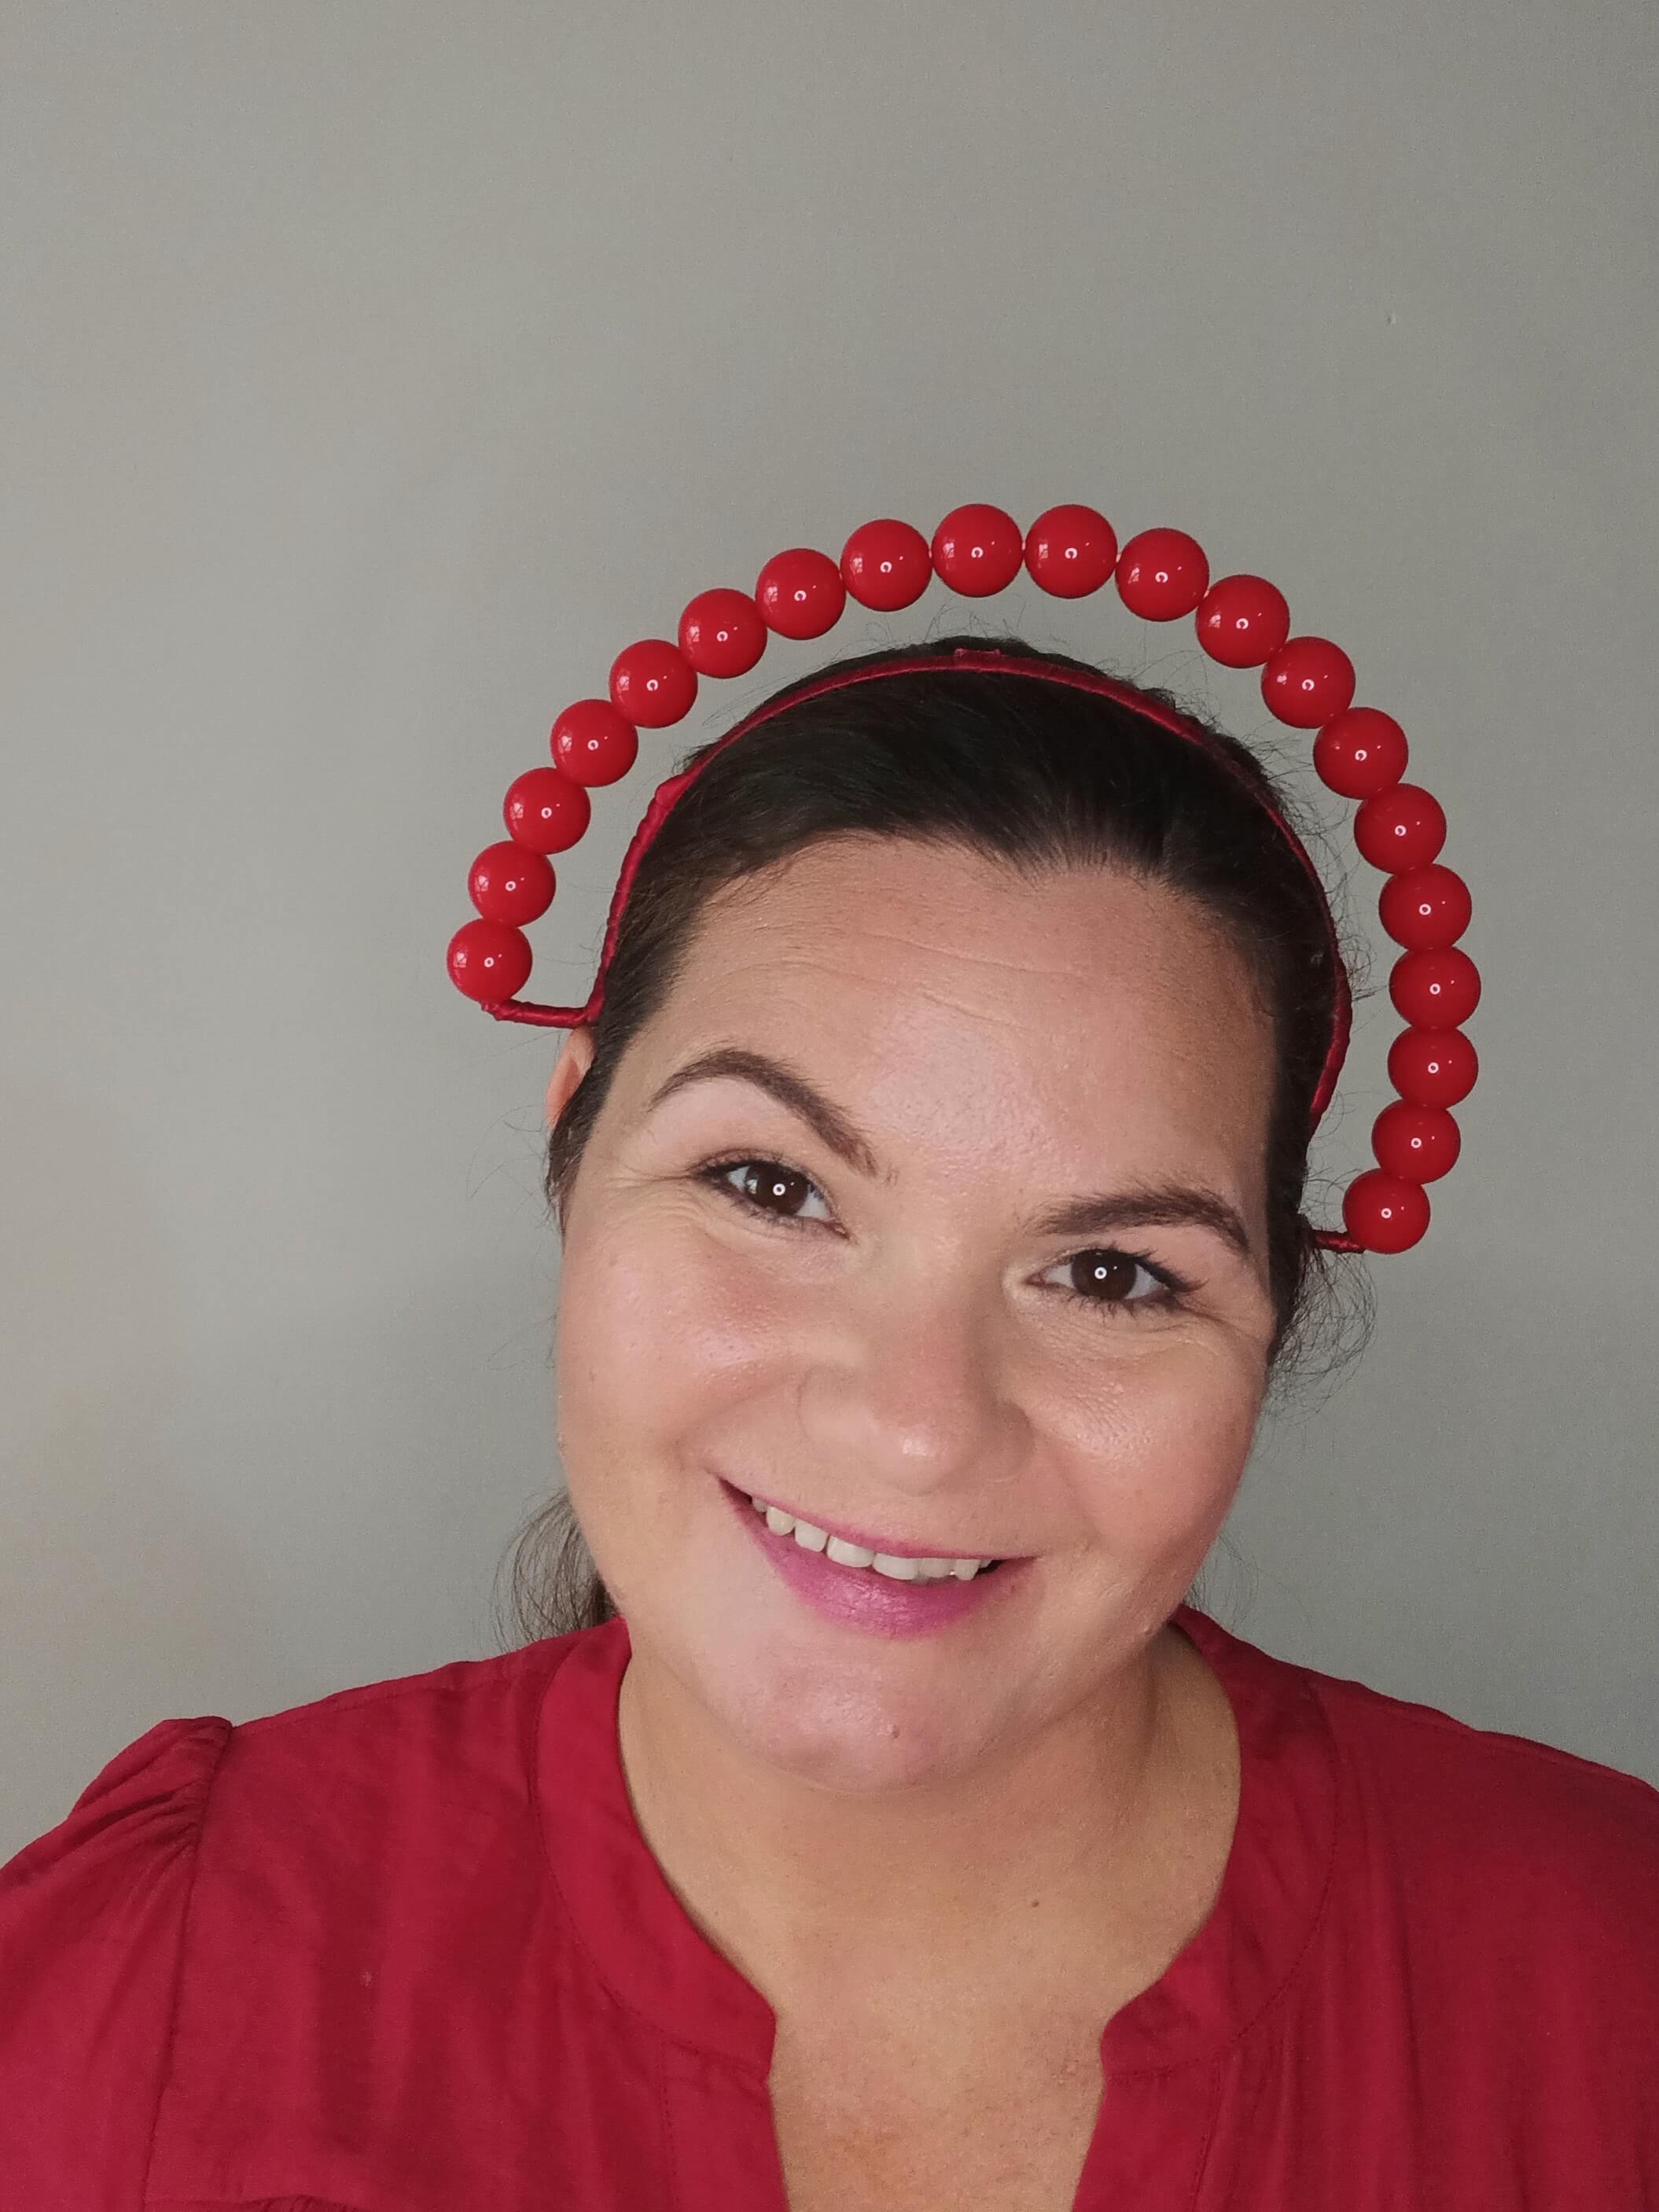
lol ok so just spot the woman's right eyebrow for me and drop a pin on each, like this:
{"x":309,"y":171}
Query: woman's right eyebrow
{"x":1141,"y":1206}
{"x":802,"y":1097}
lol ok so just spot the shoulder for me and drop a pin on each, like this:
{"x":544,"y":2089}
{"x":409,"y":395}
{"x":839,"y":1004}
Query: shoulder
{"x":374,"y":1800}
{"x":142,"y":1810}
{"x":91,"y":1919}
{"x":459,"y":1723}
{"x":144,"y":1815}
{"x":206,"y":1856}
{"x":1463,"y":1834}
{"x":1549,"y":1859}
{"x":1485,"y":1779}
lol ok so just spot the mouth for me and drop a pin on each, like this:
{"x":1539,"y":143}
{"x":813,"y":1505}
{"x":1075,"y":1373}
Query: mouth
{"x":878,"y":1556}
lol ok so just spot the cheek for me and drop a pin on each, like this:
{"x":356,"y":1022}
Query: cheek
{"x":1163,"y":1470}
{"x":655,"y":1337}
{"x":672,"y":1352}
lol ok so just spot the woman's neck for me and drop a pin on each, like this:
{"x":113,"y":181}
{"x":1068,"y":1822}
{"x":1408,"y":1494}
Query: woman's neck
{"x":1108,"y":1831}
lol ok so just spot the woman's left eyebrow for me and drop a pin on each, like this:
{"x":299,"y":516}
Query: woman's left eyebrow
{"x":1140,"y":1205}
{"x":1148,"y":1205}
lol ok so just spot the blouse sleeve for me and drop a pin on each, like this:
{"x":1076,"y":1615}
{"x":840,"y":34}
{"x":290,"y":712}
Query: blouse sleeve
{"x":92,"y":1920}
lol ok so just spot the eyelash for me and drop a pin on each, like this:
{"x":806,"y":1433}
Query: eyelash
{"x":1175,"y":1288}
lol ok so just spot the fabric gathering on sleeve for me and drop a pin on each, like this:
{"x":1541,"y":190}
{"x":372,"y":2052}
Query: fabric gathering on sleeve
{"x":92,"y":1923}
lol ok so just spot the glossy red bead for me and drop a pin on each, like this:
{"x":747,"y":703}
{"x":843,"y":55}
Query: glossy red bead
{"x":1242,"y":620}
{"x":978,"y":549}
{"x":1432,"y":1067}
{"x":593,"y":744}
{"x":1418,"y":1144}
{"x":1438,"y":990}
{"x":721,"y":633}
{"x":1403,"y":827}
{"x":886,"y":564}
{"x":545,"y":811}
{"x":1360,"y":752}
{"x":508,"y":883}
{"x":800,"y":593}
{"x":1161,"y":573}
{"x":488,"y":960}
{"x":1425,"y":908}
{"x":1307,"y":682}
{"x":652,"y":682}
{"x":1383,"y":1213}
{"x":1070,"y":551}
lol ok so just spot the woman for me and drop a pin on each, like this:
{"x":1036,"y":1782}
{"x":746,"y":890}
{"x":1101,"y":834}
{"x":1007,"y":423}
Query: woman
{"x":889,"y":1833}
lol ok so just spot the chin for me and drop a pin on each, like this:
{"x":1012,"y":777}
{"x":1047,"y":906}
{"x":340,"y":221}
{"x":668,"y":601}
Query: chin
{"x":845,"y":1730}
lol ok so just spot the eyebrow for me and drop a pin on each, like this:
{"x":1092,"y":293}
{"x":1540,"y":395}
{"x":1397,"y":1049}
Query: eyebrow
{"x":1165,"y":1205}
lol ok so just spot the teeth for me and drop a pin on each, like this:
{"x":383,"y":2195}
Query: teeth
{"x":812,"y":1538}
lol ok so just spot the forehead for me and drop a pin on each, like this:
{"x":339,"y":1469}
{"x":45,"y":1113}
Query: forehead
{"x":934,"y":987}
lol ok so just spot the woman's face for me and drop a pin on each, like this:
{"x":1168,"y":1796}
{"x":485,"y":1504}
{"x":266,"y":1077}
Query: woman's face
{"x":874,"y":1328}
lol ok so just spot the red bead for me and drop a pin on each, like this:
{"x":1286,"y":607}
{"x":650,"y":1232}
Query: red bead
{"x":1438,"y":990}
{"x":1426,"y":908}
{"x":1432,"y":1067}
{"x":1161,"y":573}
{"x":1360,"y":753}
{"x":977,"y":550}
{"x":652,"y":682}
{"x":508,"y":883}
{"x":1070,"y":552}
{"x":1308,"y":681}
{"x":800,"y":593}
{"x":1417,"y":1143}
{"x":721,"y":633}
{"x":488,"y":960}
{"x":1384,"y":1214}
{"x":593,"y":744}
{"x":887,"y":565}
{"x":1242,"y":620}
{"x":1403,"y":827}
{"x":545,"y":811}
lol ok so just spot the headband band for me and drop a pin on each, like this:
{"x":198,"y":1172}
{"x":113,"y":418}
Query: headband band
{"x":1242,"y":620}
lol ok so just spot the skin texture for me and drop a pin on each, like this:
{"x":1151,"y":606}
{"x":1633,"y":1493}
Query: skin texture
{"x":911,"y":1844}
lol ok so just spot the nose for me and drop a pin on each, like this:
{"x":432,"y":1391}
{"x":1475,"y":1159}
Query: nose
{"x":913,"y":1399}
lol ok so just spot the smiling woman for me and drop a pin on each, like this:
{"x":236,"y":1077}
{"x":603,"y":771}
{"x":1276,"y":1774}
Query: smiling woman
{"x":873,"y":1823}
{"x":1157,"y":863}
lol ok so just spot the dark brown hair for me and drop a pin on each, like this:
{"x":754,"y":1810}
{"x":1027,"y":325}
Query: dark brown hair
{"x":1037,"y":776}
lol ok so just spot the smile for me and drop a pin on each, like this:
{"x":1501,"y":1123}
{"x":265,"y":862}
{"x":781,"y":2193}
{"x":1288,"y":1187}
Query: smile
{"x":866,"y":1586}
{"x":898,"y":1566}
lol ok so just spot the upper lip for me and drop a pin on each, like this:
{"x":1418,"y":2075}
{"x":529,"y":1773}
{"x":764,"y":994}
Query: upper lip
{"x":862,"y":1537}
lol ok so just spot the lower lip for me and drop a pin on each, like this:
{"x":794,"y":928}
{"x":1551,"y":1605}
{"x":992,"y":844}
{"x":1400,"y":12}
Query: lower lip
{"x":858,"y":1597}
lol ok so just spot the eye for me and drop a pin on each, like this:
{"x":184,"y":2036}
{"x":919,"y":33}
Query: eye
{"x":1105,"y":1277}
{"x":767,"y":1184}
{"x":1117,"y":1277}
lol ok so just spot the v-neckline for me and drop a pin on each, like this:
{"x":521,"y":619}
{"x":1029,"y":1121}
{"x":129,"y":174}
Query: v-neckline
{"x":1160,"y":2050}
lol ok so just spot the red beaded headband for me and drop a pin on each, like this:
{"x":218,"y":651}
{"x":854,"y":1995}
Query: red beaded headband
{"x":1241,"y":621}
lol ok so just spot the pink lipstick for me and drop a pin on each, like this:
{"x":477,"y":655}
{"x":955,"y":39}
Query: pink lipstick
{"x":861,"y":1597}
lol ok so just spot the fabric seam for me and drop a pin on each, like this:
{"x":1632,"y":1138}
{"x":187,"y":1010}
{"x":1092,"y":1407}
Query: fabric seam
{"x":176,"y":2004}
{"x":1214,"y":2056}
{"x":701,"y":2051}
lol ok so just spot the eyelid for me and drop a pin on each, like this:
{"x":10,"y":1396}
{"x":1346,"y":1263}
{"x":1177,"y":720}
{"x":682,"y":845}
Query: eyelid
{"x":1175,"y":1286}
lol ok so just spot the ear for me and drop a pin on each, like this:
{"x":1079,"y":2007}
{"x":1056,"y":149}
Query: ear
{"x":575,"y":1060}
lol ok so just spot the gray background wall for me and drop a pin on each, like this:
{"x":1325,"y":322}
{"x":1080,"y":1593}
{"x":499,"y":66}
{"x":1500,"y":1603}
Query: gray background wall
{"x":375,"y":371}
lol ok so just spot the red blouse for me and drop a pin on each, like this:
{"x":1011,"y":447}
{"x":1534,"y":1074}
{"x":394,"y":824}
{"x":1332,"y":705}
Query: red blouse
{"x":405,"y":1950}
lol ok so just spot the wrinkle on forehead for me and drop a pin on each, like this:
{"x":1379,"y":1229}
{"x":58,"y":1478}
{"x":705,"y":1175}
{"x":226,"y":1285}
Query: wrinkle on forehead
{"x":1168,"y":1042}
{"x":1194,"y":964}
{"x":950,"y":888}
